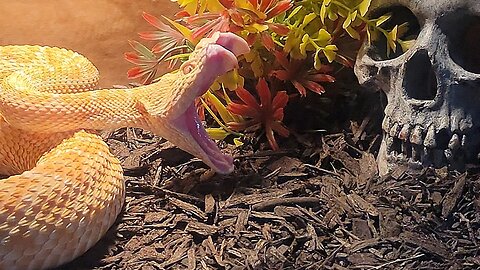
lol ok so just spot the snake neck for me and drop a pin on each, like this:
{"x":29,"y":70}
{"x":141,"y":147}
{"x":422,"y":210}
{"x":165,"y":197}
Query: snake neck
{"x":103,"y":109}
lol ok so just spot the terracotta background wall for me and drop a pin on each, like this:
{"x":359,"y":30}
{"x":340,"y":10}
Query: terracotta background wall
{"x":99,"y":29}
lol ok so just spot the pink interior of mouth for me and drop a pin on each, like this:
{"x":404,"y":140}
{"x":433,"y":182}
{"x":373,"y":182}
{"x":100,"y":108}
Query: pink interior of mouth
{"x":221,"y":163}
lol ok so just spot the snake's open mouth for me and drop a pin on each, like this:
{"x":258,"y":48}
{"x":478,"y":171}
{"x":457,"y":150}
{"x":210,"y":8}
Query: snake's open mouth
{"x":220,"y":57}
{"x":211,"y":155}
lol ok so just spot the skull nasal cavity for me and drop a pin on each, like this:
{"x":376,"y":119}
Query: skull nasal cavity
{"x":420,"y":81}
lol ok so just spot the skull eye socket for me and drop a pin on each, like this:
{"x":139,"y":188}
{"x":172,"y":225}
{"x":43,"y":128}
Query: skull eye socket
{"x":420,"y":80}
{"x":399,"y":15}
{"x":463,"y":33}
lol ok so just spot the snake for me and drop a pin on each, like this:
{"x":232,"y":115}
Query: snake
{"x":63,"y":189}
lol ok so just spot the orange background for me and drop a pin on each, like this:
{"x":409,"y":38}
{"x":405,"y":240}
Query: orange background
{"x":99,"y":29}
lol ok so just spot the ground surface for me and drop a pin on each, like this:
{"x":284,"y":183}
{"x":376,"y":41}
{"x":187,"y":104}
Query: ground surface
{"x":317,"y":204}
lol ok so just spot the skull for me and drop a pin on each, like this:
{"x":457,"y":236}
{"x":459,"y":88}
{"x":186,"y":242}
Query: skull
{"x":432,"y":117}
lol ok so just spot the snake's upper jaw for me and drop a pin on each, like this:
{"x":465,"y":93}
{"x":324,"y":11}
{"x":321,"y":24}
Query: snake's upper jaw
{"x":231,"y":42}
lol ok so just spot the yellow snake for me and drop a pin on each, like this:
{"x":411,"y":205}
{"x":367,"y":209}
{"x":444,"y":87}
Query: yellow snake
{"x":65,"y":188}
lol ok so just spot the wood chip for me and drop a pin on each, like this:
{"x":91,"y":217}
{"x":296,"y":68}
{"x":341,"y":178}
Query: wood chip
{"x":430,"y":245}
{"x":452,"y":197}
{"x":188,"y":208}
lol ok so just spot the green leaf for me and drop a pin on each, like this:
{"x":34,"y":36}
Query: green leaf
{"x":304,"y":44}
{"x":324,"y":35}
{"x":294,"y":12}
{"x":221,"y":109}
{"x":382,"y":19}
{"x":323,"y":12}
{"x":141,"y":49}
{"x":330,"y":51}
{"x":308,"y":18}
{"x":332,"y":16}
{"x":369,"y":35}
{"x":402,"y":29}
{"x":237,"y":142}
{"x":353,"y":33}
{"x":317,"y":64}
{"x":181,"y":56}
{"x":364,"y":6}
{"x":347,"y":21}
{"x":392,"y":39}
{"x":187,"y":33}
{"x":407,"y":44}
{"x":217,"y":133}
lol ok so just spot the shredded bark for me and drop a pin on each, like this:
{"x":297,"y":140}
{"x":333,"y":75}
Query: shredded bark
{"x":318,"y":204}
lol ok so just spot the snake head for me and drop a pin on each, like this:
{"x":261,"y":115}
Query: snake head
{"x":211,"y":58}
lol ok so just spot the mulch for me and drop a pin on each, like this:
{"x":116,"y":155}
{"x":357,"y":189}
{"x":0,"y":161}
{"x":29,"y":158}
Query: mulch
{"x":316,"y":204}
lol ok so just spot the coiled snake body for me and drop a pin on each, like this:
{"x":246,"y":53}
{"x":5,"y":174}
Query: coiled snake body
{"x":65,"y":188}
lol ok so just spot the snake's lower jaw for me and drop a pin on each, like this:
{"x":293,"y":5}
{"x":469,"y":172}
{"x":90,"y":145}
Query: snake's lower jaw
{"x":191,"y":137}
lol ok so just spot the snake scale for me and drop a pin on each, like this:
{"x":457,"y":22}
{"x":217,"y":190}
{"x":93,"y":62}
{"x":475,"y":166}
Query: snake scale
{"x":65,"y":189}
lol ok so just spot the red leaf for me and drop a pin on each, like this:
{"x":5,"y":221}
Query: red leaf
{"x":321,"y":78}
{"x":280,"y":129}
{"x":315,"y":87}
{"x":271,"y":138}
{"x":264,"y":93}
{"x":278,"y":114}
{"x":281,"y":57}
{"x":265,"y":4}
{"x":150,"y":35}
{"x":280,"y":29}
{"x":203,"y":30}
{"x":135,"y":72}
{"x":251,"y":38}
{"x":181,"y":14}
{"x":282,"y":75}
{"x":247,"y":98}
{"x":267,"y":41}
{"x":268,"y":114}
{"x":227,"y":3}
{"x":241,"y":109}
{"x":344,"y":61}
{"x":154,"y":21}
{"x":237,"y":18}
{"x":149,"y":76}
{"x":279,"y":8}
{"x":132,"y":58}
{"x":300,"y":88}
{"x":280,"y":100}
{"x":325,"y":69}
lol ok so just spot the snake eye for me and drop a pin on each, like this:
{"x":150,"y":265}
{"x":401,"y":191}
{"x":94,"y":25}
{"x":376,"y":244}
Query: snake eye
{"x":187,"y":67}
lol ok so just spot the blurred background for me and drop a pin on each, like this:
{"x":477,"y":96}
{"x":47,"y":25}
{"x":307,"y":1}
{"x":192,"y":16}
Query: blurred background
{"x":99,"y":29}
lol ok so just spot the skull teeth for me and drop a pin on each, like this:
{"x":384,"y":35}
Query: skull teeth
{"x":417,"y":135}
{"x":454,"y":142}
{"x":430,"y":141}
{"x":438,"y":147}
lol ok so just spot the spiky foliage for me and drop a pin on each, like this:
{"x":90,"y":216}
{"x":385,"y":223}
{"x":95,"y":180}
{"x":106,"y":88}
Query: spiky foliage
{"x":300,"y":44}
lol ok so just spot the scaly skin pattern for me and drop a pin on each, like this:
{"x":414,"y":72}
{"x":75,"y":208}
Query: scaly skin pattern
{"x":65,"y":189}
